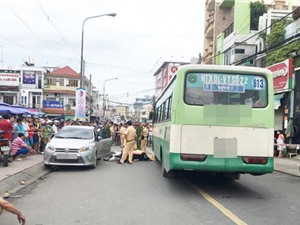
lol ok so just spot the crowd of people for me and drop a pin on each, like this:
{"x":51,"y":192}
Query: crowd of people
{"x":132,"y":138}
{"x":29,"y":134}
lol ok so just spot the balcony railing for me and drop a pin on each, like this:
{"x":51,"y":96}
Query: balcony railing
{"x":228,"y":30}
{"x":209,"y":28}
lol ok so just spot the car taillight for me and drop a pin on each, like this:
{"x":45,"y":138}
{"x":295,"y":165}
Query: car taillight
{"x":193,"y":157}
{"x":255,"y":160}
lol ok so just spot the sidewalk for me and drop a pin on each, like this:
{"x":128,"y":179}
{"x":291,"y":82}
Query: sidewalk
{"x":28,"y":170}
{"x":288,"y":165}
{"x":32,"y":168}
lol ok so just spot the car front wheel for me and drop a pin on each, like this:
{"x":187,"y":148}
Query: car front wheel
{"x":94,"y":162}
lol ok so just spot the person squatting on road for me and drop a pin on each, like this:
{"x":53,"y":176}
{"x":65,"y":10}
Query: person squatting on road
{"x":19,"y":148}
{"x":130,"y":135}
{"x":12,"y":209}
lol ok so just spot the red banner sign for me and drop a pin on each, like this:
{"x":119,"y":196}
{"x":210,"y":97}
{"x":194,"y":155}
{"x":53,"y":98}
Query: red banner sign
{"x":281,"y":73}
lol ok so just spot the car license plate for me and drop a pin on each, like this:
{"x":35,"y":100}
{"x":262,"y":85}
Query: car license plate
{"x":66,"y":156}
{"x":4,"y":148}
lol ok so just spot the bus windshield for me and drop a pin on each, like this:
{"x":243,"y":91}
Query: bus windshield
{"x":215,"y":88}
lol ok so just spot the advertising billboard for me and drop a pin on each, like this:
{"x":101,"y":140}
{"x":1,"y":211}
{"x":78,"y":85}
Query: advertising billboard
{"x":80,"y":104}
{"x":29,"y":77}
{"x":282,"y":72}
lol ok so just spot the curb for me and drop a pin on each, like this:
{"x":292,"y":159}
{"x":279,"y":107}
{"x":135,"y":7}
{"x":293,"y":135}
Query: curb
{"x":288,"y":173}
{"x":12,"y":184}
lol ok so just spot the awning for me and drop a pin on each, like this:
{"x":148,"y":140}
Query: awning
{"x":14,"y":109}
{"x":277,"y":101}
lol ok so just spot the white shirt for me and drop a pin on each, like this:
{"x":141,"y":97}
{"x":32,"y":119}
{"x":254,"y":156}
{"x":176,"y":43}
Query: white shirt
{"x":55,"y":129}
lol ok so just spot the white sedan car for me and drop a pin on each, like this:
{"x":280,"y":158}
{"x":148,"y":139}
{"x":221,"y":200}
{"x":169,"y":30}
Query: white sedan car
{"x":76,"y":146}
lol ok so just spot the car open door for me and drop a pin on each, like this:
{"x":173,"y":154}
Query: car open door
{"x":104,"y":147}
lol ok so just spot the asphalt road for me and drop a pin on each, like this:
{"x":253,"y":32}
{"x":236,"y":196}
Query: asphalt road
{"x":137,"y":194}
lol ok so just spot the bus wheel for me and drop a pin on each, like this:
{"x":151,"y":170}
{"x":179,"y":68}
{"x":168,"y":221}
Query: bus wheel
{"x":169,"y":174}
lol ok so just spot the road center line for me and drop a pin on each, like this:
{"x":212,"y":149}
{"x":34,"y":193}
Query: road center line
{"x":218,"y":205}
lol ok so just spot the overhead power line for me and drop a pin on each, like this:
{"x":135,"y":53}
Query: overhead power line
{"x":63,"y":38}
{"x":29,"y":28}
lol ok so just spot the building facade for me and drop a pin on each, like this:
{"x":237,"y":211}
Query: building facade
{"x":60,"y":92}
{"x":227,"y":35}
{"x":31,"y":87}
{"x":10,"y":86}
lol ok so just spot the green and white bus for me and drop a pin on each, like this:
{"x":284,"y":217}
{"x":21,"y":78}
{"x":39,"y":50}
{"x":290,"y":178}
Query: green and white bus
{"x":216,"y":118}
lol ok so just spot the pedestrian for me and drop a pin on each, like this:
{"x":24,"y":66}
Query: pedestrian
{"x":144,"y":138}
{"x":30,"y":131}
{"x":37,"y":128}
{"x":12,"y":209}
{"x":68,"y":122}
{"x":25,"y":125}
{"x":117,"y":134}
{"x":7,"y":127}
{"x":47,"y":134}
{"x":112,"y":131}
{"x":139,"y":132}
{"x":280,"y":143}
{"x":55,"y":127}
{"x":130,"y":136}
{"x":122,"y":135}
{"x":17,"y":128}
{"x":150,"y":135}
{"x":19,"y":148}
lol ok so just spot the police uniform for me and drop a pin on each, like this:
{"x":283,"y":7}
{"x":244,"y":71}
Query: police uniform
{"x":122,"y":134}
{"x":144,"y":139}
{"x":130,"y":135}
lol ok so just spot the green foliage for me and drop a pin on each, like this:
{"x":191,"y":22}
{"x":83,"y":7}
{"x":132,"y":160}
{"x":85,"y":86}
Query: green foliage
{"x":282,"y":53}
{"x":277,"y":33}
{"x":257,"y":10}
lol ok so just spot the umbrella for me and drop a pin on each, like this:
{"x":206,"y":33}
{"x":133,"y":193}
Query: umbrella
{"x":13,"y":109}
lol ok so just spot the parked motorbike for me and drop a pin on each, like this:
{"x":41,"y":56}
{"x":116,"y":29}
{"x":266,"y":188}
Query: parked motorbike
{"x":4,"y":150}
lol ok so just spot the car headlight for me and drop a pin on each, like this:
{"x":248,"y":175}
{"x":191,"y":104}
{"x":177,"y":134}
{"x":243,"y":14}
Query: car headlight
{"x":87,"y":148}
{"x":51,"y":148}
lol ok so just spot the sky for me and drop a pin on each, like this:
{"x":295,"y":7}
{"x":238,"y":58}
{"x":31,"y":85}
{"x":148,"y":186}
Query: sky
{"x":130,"y":46}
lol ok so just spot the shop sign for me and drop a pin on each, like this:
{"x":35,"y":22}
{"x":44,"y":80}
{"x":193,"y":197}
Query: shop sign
{"x":9,"y":78}
{"x":281,"y":73}
{"x":48,"y":104}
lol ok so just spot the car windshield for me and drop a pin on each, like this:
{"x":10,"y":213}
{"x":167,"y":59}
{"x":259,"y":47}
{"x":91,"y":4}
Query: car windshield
{"x":71,"y":133}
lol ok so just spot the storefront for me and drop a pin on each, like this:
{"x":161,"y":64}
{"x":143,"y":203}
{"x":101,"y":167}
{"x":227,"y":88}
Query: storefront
{"x":283,"y":94}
